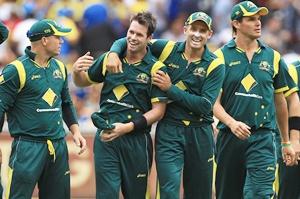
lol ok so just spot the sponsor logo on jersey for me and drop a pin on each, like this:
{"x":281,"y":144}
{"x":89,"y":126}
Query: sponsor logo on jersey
{"x":172,"y":65}
{"x":57,"y":74}
{"x":143,"y":78}
{"x":233,"y":63}
{"x":141,"y":175}
{"x":33,"y":77}
{"x":264,"y":65}
{"x":199,"y":72}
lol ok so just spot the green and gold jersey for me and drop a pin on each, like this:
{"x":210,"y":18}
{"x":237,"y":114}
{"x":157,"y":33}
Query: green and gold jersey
{"x":196,"y":85}
{"x":35,"y":98}
{"x":130,"y":94}
{"x":249,"y":86}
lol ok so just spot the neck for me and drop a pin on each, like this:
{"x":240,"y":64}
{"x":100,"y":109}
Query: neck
{"x":246,"y":44}
{"x":193,"y":54}
{"x":134,"y":57}
{"x":41,"y":57}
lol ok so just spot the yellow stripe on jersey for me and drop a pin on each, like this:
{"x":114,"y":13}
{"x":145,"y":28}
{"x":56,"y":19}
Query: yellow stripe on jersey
{"x":276,"y":181}
{"x":166,"y":51}
{"x":280,"y":90}
{"x":21,"y":72}
{"x":1,"y":79}
{"x":276,"y":62}
{"x":213,"y":65}
{"x":293,"y":73}
{"x":156,"y":99}
{"x":289,"y":92}
{"x":158,"y":65}
{"x":10,"y":174}
{"x":181,"y":85}
{"x":62,"y":68}
{"x":186,"y":122}
{"x":220,"y":55}
{"x":104,"y":64}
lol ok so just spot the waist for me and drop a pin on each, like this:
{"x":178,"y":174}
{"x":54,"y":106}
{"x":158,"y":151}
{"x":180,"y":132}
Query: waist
{"x":36,"y":139}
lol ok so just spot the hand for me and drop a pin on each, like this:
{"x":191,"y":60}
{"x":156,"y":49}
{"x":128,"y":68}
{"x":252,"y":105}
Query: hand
{"x":240,"y":129}
{"x":296,"y":147}
{"x":83,"y":63}
{"x":162,"y":80}
{"x":80,"y":142}
{"x":288,"y":155}
{"x":119,"y":130}
{"x":114,"y":64}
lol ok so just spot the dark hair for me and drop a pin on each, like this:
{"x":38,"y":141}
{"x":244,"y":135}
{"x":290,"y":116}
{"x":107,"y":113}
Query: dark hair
{"x":146,"y":19}
{"x":233,"y":28}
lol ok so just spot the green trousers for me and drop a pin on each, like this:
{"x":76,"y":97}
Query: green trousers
{"x":245,"y":168}
{"x":186,"y":151}
{"x":123,"y":163}
{"x":39,"y":162}
{"x":1,"y":189}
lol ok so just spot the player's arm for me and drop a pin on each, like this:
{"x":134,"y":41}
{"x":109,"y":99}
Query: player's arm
{"x":137,"y":124}
{"x":158,"y":48}
{"x":238,"y":128}
{"x":80,"y":68}
{"x":70,"y":118}
{"x":3,"y":33}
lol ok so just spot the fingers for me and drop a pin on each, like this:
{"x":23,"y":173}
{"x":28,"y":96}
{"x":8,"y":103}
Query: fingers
{"x":107,"y":137}
{"x":83,"y":63}
{"x":83,"y":146}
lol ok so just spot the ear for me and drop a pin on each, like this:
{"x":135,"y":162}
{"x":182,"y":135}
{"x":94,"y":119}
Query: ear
{"x":235,"y":23}
{"x":149,"y":38}
{"x":185,"y":29}
{"x":210,"y":34}
{"x":44,"y":41}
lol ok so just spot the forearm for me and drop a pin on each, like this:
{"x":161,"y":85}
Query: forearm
{"x":282,"y":116}
{"x":194,"y":103}
{"x":80,"y":79}
{"x":156,"y":113}
{"x":222,"y":115}
{"x":74,"y":129}
{"x":294,"y":111}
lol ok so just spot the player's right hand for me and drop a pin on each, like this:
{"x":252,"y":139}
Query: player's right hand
{"x":83,"y":63}
{"x":240,"y":129}
{"x":288,"y":155}
{"x":114,"y":64}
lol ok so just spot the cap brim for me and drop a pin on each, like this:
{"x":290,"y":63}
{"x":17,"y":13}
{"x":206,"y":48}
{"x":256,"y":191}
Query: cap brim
{"x":61,"y":31}
{"x":262,"y":11}
{"x":199,"y":20}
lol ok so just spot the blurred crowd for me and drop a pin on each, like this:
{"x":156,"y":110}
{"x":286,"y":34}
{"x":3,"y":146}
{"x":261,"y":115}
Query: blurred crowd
{"x":96,"y":24}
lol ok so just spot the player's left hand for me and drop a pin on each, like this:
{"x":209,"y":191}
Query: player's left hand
{"x":162,"y":80}
{"x":80,"y":142}
{"x":288,"y":155}
{"x":119,"y":130}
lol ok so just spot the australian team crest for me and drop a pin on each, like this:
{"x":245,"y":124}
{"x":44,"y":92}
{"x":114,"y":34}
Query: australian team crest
{"x":199,"y":72}
{"x":57,"y":74}
{"x":264,"y":65}
{"x":143,"y":78}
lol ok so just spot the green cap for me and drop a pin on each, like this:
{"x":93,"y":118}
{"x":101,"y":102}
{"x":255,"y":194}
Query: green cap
{"x":246,"y":9}
{"x":45,"y":28}
{"x":199,"y":16}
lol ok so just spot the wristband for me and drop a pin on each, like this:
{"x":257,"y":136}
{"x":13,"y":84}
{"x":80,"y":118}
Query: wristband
{"x":139,"y":123}
{"x":294,"y":123}
{"x":286,"y":144}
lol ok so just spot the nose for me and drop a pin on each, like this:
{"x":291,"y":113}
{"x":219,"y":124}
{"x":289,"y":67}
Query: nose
{"x":197,"y":34}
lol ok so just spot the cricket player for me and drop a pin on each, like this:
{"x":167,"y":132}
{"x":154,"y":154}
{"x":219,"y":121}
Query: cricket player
{"x":129,"y":104}
{"x":251,"y":99}
{"x":35,"y":96}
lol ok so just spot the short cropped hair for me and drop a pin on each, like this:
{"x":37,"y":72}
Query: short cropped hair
{"x":146,"y":19}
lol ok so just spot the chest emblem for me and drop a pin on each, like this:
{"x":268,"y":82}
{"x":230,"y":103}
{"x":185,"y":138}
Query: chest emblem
{"x":57,"y":74}
{"x":143,"y":78}
{"x":264,"y":65}
{"x":249,"y":82}
{"x":199,"y":72}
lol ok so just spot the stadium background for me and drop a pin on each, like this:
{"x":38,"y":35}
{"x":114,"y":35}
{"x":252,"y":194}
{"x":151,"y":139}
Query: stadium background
{"x":96,"y":24}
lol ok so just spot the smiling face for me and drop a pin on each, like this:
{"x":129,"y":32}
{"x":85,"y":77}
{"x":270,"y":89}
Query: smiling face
{"x":249,"y":27}
{"x":197,"y":34}
{"x":137,"y":38}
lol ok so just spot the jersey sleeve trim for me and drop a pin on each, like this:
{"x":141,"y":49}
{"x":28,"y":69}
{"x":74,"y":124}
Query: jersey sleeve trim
{"x":21,"y":72}
{"x":289,"y":92}
{"x":280,"y":90}
{"x":167,"y":51}
{"x":276,"y":62}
